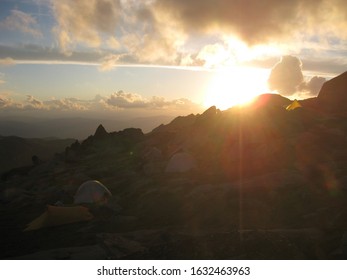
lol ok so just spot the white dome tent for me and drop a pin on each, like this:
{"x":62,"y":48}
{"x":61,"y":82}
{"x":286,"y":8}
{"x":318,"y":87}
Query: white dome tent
{"x":181,"y":162}
{"x":92,"y":192}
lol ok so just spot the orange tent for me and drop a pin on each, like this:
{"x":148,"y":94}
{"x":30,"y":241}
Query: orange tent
{"x":57,"y":215}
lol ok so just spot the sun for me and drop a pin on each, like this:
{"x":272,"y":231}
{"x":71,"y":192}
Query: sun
{"x":235,"y":86}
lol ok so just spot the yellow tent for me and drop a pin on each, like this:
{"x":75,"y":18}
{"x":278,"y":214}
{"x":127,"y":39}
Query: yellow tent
{"x":294,"y":105}
{"x":57,"y":215}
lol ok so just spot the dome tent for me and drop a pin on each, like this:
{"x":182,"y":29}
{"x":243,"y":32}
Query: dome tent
{"x":91,"y":192}
{"x":181,"y":162}
{"x":153,"y":154}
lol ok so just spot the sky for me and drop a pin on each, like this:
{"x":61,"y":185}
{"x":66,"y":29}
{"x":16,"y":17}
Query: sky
{"x":155,"y":57}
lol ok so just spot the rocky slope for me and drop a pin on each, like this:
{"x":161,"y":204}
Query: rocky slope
{"x":268,"y":184}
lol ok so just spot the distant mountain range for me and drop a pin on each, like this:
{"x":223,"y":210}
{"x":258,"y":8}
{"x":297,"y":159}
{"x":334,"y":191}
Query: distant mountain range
{"x":16,"y":151}
{"x":78,"y":128}
{"x":20,"y":139}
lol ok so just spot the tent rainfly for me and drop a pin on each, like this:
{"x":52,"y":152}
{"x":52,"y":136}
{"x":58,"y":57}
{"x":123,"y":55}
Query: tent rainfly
{"x":57,"y":215}
{"x":294,"y":105}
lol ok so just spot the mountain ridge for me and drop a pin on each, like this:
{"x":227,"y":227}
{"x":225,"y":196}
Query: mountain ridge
{"x":263,"y":182}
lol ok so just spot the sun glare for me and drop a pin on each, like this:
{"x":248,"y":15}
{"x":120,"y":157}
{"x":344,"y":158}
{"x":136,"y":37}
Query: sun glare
{"x":236,"y":86}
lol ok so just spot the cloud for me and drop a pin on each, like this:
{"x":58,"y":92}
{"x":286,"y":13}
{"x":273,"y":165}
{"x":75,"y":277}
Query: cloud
{"x":150,"y":48}
{"x":121,"y":99}
{"x":175,"y":32}
{"x":286,"y":76}
{"x":113,"y":43}
{"x":186,"y":33}
{"x":252,"y":21}
{"x":2,"y":78}
{"x":4,"y":102}
{"x":184,"y":104}
{"x":30,"y":53}
{"x":22,"y":22}
{"x":110,"y":61}
{"x":130,"y":26}
{"x":135,"y":101}
{"x":149,"y":36}
{"x":7,"y":103}
{"x":314,"y":85}
{"x":67,"y":104}
{"x":33,"y":102}
{"x":329,"y":64}
{"x":257,"y":21}
{"x":213,"y":55}
{"x":84,"y":21}
{"x":7,"y":61}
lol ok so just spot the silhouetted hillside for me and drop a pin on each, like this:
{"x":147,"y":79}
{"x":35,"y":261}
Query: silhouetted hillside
{"x":254,"y":182}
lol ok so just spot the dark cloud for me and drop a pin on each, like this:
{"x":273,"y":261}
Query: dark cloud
{"x":174,"y":32}
{"x":158,"y":20}
{"x":9,"y":54}
{"x":253,"y":20}
{"x":84,"y":21}
{"x":313,"y":86}
{"x":328,"y":64}
{"x":148,"y":35}
{"x":286,"y":76}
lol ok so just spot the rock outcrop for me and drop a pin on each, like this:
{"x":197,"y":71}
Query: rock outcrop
{"x":100,"y":132}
